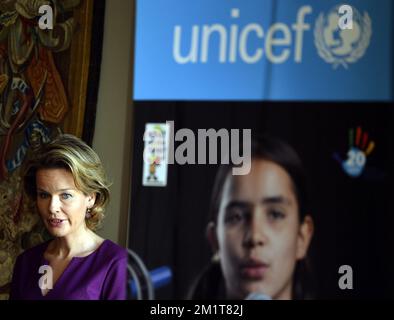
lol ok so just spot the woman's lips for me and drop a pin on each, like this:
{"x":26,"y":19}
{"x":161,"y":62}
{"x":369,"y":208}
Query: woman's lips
{"x":253,"y":270}
{"x":56,"y":223}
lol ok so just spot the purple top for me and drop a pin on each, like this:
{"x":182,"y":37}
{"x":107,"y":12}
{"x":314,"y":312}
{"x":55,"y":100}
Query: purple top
{"x":102,"y":275}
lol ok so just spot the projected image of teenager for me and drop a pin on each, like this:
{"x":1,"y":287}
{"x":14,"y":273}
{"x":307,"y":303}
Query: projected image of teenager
{"x":259,"y":229}
{"x":67,"y":181}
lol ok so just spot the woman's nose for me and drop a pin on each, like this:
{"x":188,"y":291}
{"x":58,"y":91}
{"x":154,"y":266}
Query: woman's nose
{"x":54,"y":205}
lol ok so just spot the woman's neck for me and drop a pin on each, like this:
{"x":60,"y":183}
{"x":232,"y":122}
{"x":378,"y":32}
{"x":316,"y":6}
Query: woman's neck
{"x":76,"y":244}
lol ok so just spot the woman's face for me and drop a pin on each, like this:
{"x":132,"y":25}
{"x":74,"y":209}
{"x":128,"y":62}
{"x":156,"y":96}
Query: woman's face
{"x":61,"y":205}
{"x":258,"y":234}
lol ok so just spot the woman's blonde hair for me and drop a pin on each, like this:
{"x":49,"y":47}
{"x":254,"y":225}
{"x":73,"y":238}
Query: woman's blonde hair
{"x":71,"y":153}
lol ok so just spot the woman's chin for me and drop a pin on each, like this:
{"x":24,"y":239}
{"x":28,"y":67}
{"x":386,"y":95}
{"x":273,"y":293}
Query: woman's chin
{"x":57,"y":232}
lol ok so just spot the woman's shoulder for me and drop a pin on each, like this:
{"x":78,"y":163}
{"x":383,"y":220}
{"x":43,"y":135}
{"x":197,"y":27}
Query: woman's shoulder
{"x":111,"y":250}
{"x":35,"y":252}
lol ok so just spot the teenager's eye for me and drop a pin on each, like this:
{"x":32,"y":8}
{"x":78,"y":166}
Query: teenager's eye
{"x":275,"y":215}
{"x":66,"y":196}
{"x":235,"y":215}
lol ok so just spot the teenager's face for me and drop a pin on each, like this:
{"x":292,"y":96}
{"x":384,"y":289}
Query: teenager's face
{"x":258,"y":234}
{"x":61,"y":205}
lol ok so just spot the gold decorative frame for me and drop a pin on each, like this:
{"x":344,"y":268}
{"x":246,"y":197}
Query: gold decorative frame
{"x":79,"y":69}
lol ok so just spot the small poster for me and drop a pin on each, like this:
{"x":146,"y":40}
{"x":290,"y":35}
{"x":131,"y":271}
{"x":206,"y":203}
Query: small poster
{"x":155,"y":156}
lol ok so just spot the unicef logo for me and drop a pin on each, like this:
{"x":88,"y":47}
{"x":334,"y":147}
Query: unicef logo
{"x":342,"y":46}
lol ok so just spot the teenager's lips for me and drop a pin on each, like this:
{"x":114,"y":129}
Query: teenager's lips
{"x":253,"y":269}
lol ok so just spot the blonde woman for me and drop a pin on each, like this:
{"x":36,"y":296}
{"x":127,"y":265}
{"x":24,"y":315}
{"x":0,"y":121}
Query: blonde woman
{"x":67,"y":181}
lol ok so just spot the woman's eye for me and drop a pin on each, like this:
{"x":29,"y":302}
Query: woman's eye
{"x":274,"y":214}
{"x":42,"y":195}
{"x":66,"y":196}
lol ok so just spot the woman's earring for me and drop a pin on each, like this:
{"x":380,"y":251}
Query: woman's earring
{"x":88,"y":213}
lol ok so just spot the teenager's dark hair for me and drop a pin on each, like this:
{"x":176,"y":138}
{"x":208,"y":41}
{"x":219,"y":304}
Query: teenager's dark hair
{"x":271,"y":149}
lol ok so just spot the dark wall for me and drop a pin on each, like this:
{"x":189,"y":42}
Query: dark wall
{"x":353,"y":216}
